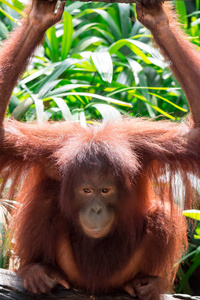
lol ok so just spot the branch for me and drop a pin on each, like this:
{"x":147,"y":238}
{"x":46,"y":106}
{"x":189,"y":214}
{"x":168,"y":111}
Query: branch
{"x":123,"y":1}
{"x":11,"y":289}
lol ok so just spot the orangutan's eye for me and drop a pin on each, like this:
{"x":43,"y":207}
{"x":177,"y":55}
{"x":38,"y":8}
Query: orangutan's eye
{"x":105,"y":191}
{"x":87,"y":191}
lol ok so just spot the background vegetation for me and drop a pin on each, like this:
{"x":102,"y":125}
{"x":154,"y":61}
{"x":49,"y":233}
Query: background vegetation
{"x":97,"y":63}
{"x":98,"y":55}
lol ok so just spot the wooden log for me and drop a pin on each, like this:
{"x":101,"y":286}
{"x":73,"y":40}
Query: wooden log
{"x":120,"y":1}
{"x":11,"y":288}
{"x":110,"y":1}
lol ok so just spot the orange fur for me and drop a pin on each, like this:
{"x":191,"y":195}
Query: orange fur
{"x":39,"y":163}
{"x":143,"y":152}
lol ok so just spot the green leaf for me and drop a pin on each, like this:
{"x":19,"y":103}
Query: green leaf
{"x":124,"y":13}
{"x":88,"y":41}
{"x":53,"y":44}
{"x":107,"y":112}
{"x":86,"y":66}
{"x":158,"y":62}
{"x":198,"y":230}
{"x":8,"y":16}
{"x":64,"y":108}
{"x":99,"y":97}
{"x":143,"y":46}
{"x":82,"y":29}
{"x":188,"y":274}
{"x":103,"y":63}
{"x":106,"y":34}
{"x":143,"y":82}
{"x":18,"y":4}
{"x":181,"y":11}
{"x":39,"y":110}
{"x":38,"y":73}
{"x":189,"y":255}
{"x":166,"y":100}
{"x":73,"y":6}
{"x":136,"y":68}
{"x":155,"y":107}
{"x":3,"y":30}
{"x":120,"y":90}
{"x":11,"y":6}
{"x":67,"y":35}
{"x":39,"y":107}
{"x":110,"y":22}
{"x":194,"y":13}
{"x":60,"y":68}
{"x":22,"y":108}
{"x":197,"y":4}
{"x":131,"y":44}
{"x":48,"y":86}
{"x":82,"y":118}
{"x":196,"y":22}
{"x":13,"y":103}
{"x":192,"y":213}
{"x":65,"y":88}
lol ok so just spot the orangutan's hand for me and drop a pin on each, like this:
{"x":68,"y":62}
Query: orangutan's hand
{"x":152,"y":16}
{"x":42,"y":13}
{"x":40,"y":279}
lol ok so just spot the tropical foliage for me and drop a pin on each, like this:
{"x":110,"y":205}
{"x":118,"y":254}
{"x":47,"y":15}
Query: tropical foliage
{"x":97,"y":63}
{"x":97,"y":59}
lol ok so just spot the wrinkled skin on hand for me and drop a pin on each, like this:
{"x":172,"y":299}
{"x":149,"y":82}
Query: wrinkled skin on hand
{"x":147,"y":288}
{"x":43,"y":13}
{"x":41,"y":279}
{"x":151,"y":14}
